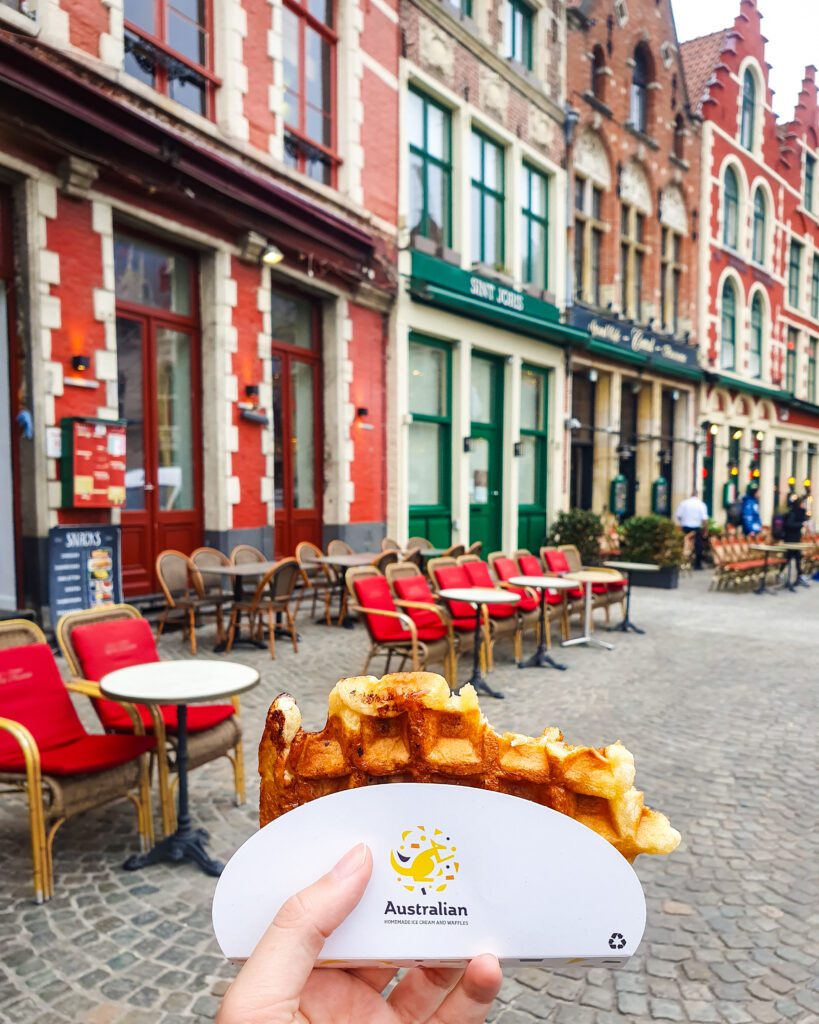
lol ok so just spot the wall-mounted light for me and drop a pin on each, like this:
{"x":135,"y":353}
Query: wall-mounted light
{"x":593,"y":375}
{"x":734,"y":471}
{"x":759,"y":435}
{"x":755,"y":474}
{"x":361,"y":413}
{"x":714,"y":428}
{"x":806,"y":483}
{"x":791,"y":481}
{"x":572,"y":423}
{"x":272,"y":256}
{"x":675,"y":395}
{"x":252,"y":392}
{"x":467,"y":444}
{"x":518,"y":449}
{"x":737,"y":435}
{"x":80,"y":363}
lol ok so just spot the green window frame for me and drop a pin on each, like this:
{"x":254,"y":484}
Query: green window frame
{"x":535,"y":227}
{"x":746,"y":133}
{"x":488,"y":201}
{"x":730,"y":225}
{"x":812,"y":345}
{"x":757,"y":330}
{"x":790,"y":360}
{"x":517,"y":32}
{"x":810,"y":178}
{"x":434,"y":519}
{"x":728,"y":340}
{"x":814,"y":287}
{"x":430,"y":155}
{"x":794,"y":272}
{"x":532,"y":514}
{"x":760,"y":226}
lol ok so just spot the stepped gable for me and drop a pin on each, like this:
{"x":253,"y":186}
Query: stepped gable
{"x":409,"y":727}
{"x":700,"y":58}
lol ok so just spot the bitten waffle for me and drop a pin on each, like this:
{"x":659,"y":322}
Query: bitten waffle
{"x":409,"y":727}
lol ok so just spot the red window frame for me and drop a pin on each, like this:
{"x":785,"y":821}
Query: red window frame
{"x":298,"y":132}
{"x":161,"y":80}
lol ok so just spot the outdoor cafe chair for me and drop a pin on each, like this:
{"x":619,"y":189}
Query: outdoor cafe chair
{"x":247,"y":554}
{"x":46,"y":751}
{"x":271,"y":600}
{"x":317,"y":577}
{"x":505,"y":568}
{"x":419,"y":542}
{"x":209,"y":588}
{"x":605,"y":594}
{"x":388,"y":544}
{"x":385,"y":559}
{"x":476,"y":548}
{"x":526,"y":611}
{"x":455,"y":551}
{"x":557,"y":564}
{"x":173,"y":570}
{"x":392,"y":631}
{"x":101,"y":640}
{"x":339,"y":547}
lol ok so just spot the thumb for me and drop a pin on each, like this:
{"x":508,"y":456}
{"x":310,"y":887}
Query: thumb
{"x":278,"y":969}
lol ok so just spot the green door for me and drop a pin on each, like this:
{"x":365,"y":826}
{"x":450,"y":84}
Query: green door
{"x":430,"y":441}
{"x":534,"y":458}
{"x":485,"y":465}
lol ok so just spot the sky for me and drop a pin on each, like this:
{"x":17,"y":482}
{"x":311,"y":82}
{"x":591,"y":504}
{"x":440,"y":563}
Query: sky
{"x":791,"y":27}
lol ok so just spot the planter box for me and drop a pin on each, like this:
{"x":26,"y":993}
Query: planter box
{"x":665,"y":579}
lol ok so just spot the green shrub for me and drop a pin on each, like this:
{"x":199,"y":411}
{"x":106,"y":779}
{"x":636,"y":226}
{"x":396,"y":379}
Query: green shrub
{"x":652,"y":539}
{"x":581,"y":528}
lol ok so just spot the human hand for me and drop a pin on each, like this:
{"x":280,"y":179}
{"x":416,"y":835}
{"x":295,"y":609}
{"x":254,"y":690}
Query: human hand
{"x":279,"y":985}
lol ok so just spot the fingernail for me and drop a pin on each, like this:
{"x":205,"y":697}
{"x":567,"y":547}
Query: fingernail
{"x":351,"y":861}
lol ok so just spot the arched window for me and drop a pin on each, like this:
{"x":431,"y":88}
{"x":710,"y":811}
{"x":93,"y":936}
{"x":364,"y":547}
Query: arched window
{"x":760,"y":226}
{"x":757,"y":326}
{"x":746,"y":131}
{"x":728,"y":340}
{"x":640,"y":78}
{"x":679,"y":137}
{"x":598,"y":82}
{"x":730,"y":202}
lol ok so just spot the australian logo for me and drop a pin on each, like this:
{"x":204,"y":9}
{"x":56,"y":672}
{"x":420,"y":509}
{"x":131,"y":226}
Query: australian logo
{"x":426,"y":862}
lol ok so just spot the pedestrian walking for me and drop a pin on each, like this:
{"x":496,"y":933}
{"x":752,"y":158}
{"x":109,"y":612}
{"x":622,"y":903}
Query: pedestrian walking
{"x":794,"y":525}
{"x":692,"y":514}
{"x":751,"y":518}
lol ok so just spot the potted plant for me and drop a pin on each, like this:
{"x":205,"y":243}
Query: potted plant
{"x":581,"y":528}
{"x":657,"y":541}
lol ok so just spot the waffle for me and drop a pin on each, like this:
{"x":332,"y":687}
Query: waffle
{"x":409,"y":727}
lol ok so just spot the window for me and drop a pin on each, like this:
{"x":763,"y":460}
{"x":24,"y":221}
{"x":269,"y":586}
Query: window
{"x":814,"y":287}
{"x":671,"y":280}
{"x":746,"y":129}
{"x":588,"y":240}
{"x":730,"y":209}
{"x":598,"y":73}
{"x":431,"y":426}
{"x":790,"y":360}
{"x":168,"y":46}
{"x":463,"y":7}
{"x":640,"y":78}
{"x":811,"y":396}
{"x":794,"y":272}
{"x":309,"y":47}
{"x":810,"y":176}
{"x":517,"y":32}
{"x":757,"y":329}
{"x":760,"y":226}
{"x":621,"y":12}
{"x":534,"y":456}
{"x":487,"y":201}
{"x":728,"y":337}
{"x":535,"y":227}
{"x":430,"y":169}
{"x":632,"y":260}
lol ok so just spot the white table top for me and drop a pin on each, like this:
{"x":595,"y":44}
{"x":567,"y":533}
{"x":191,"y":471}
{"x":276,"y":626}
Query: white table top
{"x":783,"y":545}
{"x":479,"y":595}
{"x":353,"y":560}
{"x":543,"y":582}
{"x":633,"y":566}
{"x":245,"y":569}
{"x":179,"y":682}
{"x":590,"y":576}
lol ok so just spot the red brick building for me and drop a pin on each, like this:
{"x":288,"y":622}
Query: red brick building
{"x":198,"y":227}
{"x":759,"y":259}
{"x":632,"y":240}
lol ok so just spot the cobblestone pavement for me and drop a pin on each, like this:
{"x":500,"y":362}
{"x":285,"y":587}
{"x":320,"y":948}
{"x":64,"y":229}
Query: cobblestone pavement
{"x":718,"y":704}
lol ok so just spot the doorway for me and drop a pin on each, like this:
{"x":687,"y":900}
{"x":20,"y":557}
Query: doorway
{"x":159,"y":392}
{"x":297,"y":419}
{"x":9,"y":494}
{"x":485,"y":464}
{"x":629,"y":398}
{"x":582,"y":449}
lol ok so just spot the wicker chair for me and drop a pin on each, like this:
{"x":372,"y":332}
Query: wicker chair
{"x":476,"y":548}
{"x":386,"y":558}
{"x":209,"y":589}
{"x":420,"y":542}
{"x":321,"y":580}
{"x":339,"y":547}
{"x":173,"y":570}
{"x":272,"y":597}
{"x":388,"y":544}
{"x":46,"y":753}
{"x":455,"y":551}
{"x":246,"y":554}
{"x":117,"y":636}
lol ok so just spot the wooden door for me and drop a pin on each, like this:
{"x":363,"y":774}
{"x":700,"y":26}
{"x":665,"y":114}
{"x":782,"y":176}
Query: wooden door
{"x":534,"y":458}
{"x":485,"y":464}
{"x":297,"y":420}
{"x":159,"y":391}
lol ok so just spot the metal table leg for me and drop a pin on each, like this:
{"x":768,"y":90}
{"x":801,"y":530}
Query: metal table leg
{"x":627,"y":626}
{"x":541,"y":658}
{"x":587,"y":638}
{"x":477,"y":679}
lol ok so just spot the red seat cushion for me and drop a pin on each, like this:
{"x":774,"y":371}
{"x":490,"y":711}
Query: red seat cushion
{"x":450,"y":577}
{"x":479,"y":576}
{"x":600,"y":588}
{"x":416,"y":588}
{"x":530,"y":565}
{"x":464,"y":625}
{"x":32,"y":693}
{"x":616,"y":585}
{"x":557,"y":563}
{"x":103,"y":647}
{"x":374,"y":592}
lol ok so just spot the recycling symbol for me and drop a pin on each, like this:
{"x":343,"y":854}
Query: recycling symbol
{"x":616,"y":941}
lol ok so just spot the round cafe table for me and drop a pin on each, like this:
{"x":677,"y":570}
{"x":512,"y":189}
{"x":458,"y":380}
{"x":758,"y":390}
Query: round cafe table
{"x":587,"y":577}
{"x":541,"y":658}
{"x":627,"y":568}
{"x":478,"y":597}
{"x":181,"y":683}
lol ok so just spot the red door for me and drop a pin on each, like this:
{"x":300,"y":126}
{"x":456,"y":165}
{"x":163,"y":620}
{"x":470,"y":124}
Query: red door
{"x":297,"y":418}
{"x":160,"y":397}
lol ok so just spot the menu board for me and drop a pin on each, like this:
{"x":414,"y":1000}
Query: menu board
{"x":93,"y":463}
{"x":84,"y":568}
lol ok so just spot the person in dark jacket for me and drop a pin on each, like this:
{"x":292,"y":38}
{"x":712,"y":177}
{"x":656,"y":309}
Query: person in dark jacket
{"x":794,"y":524}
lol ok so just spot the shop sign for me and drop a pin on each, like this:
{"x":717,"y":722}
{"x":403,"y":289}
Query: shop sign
{"x":93,"y":463}
{"x":656,"y":347}
{"x":84,"y":568}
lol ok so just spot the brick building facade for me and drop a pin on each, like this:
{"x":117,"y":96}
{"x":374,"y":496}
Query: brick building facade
{"x":632,"y":393}
{"x":759,"y":257}
{"x":199,"y":224}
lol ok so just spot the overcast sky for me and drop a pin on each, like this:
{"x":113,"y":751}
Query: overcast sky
{"x":791,"y":27}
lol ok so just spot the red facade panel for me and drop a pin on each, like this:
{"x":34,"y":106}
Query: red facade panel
{"x":367,"y":391}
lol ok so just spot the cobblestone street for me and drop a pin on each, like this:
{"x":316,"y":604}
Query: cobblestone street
{"x":718,"y":704}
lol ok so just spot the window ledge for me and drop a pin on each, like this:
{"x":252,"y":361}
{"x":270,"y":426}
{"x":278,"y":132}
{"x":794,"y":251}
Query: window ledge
{"x":19,"y":22}
{"x":485,"y":270}
{"x":679,"y":161}
{"x":647,"y":139}
{"x":598,"y":105}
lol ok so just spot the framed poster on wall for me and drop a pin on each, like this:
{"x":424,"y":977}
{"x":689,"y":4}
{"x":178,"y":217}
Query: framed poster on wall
{"x":93,"y":463}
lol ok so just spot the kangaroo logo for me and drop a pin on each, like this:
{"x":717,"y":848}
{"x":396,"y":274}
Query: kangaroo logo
{"x":425,"y":859}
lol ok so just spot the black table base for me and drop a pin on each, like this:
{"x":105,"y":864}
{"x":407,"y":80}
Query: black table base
{"x":627,"y":626}
{"x":187,"y":843}
{"x":477,"y":678}
{"x":541,"y":658}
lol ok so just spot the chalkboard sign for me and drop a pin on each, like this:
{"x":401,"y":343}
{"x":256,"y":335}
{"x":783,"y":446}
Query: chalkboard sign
{"x":84,"y":569}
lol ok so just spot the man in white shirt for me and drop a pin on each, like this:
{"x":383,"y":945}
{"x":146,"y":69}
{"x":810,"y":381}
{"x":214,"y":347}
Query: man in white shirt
{"x":691,"y":514}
